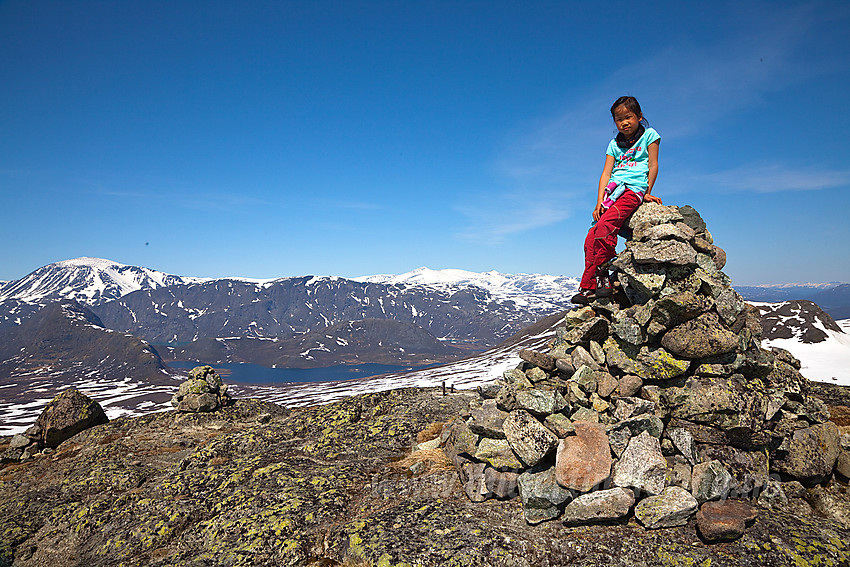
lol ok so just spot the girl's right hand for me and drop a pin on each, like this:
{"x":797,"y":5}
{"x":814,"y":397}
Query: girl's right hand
{"x":597,"y":212}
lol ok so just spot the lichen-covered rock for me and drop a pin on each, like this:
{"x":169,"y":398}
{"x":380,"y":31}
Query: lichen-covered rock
{"x":540,"y":402}
{"x":497,"y":453}
{"x":710,"y":481}
{"x":621,"y":432}
{"x":626,"y":408}
{"x":808,"y":454}
{"x":629,"y":385}
{"x":543,"y":360}
{"x":684,"y":442}
{"x":459,"y":439}
{"x":749,"y":469}
{"x":673,"y":507}
{"x":488,"y":420}
{"x":723,"y":403}
{"x":542,"y":496}
{"x":652,"y":214}
{"x":700,"y":337}
{"x":501,"y":484}
{"x":528,"y":438}
{"x":676,"y":308}
{"x":599,"y":506}
{"x":595,"y":329}
{"x":663,"y":252}
{"x":66,"y":415}
{"x":642,"y":466}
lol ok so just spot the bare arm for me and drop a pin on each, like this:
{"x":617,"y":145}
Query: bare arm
{"x":603,"y":182}
{"x":652,"y":150}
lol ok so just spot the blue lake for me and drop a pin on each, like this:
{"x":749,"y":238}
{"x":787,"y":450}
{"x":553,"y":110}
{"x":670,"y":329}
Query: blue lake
{"x":256,"y":374}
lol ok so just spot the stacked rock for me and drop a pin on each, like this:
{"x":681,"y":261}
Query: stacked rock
{"x":653,"y":402}
{"x":202,"y":392}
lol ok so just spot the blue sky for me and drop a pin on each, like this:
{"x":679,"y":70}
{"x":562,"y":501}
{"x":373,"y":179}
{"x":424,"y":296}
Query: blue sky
{"x":267,"y":139}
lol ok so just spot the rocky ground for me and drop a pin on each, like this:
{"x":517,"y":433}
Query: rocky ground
{"x":258,"y":484}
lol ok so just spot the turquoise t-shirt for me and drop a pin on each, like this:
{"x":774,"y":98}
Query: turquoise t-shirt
{"x":631,"y":166}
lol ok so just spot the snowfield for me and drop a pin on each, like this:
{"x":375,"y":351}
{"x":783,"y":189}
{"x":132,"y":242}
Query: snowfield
{"x":826,"y":361}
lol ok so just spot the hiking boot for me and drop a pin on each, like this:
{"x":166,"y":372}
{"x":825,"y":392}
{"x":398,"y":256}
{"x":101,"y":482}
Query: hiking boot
{"x":603,"y":282}
{"x":583,"y":297}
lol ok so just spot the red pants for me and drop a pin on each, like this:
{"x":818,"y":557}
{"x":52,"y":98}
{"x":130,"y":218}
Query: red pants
{"x":601,"y":241}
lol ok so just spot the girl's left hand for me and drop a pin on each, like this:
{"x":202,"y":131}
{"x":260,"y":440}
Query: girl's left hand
{"x":652,"y":199}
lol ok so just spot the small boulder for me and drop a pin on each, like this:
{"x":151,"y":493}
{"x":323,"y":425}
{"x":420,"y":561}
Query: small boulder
{"x":542,"y":496}
{"x":710,"y":481}
{"x":497,"y":453}
{"x":599,"y":506}
{"x":501,"y":484}
{"x":629,"y":385}
{"x":809,"y":453}
{"x":540,"y":359}
{"x":642,"y":465}
{"x":487,"y":420}
{"x":66,"y":415}
{"x":725,"y":520}
{"x":584,"y":459}
{"x":700,"y":337}
{"x":673,"y":507}
{"x":529,"y":439}
{"x":625,"y":408}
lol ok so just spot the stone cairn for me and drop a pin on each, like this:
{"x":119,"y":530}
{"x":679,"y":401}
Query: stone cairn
{"x":202,"y":392}
{"x":657,"y":402}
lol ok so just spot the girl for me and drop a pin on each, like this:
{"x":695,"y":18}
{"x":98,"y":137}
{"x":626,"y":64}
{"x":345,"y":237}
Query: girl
{"x":631,"y":166}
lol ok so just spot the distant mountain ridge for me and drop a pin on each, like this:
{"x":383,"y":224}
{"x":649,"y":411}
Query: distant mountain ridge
{"x":453,"y":305}
{"x":87,"y":280}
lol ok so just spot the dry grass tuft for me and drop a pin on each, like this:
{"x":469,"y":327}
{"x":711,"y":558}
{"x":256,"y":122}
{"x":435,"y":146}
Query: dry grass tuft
{"x":431,"y":432}
{"x":839,"y":415}
{"x":435,"y":461}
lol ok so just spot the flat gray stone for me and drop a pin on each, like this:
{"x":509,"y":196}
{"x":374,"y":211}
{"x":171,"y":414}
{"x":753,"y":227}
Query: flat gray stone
{"x":710,"y":481}
{"x":541,"y":495}
{"x":642,"y":465}
{"x":673,"y":507}
{"x":599,"y":506}
{"x":529,"y":439}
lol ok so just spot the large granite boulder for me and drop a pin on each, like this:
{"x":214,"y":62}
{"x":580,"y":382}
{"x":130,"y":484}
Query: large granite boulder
{"x":66,"y":415}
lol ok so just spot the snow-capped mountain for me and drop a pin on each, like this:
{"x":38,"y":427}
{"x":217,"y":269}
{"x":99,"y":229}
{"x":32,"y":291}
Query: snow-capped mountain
{"x":65,"y":345}
{"x":478,"y":309}
{"x":821,"y":344}
{"x":86,"y":280}
{"x":289,"y":307}
{"x":537,"y":291}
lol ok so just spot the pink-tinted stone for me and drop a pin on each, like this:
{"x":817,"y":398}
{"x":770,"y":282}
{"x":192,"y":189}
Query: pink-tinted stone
{"x":725,"y":520}
{"x":584,"y":459}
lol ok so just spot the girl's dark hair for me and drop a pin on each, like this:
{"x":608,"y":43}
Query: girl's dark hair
{"x":632,"y":104}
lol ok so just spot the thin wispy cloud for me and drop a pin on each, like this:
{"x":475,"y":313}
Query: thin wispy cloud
{"x":492,"y":220}
{"x":771,"y":178}
{"x":685,"y":89}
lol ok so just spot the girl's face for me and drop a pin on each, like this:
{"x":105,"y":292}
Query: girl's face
{"x":627,"y":122}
